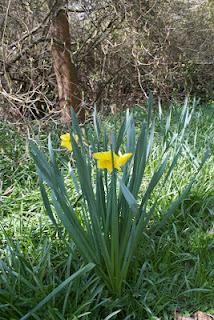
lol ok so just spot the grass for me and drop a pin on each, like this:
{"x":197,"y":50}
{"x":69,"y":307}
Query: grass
{"x":173,"y":268}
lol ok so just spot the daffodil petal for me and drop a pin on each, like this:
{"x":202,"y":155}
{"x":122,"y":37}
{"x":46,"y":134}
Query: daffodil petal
{"x":66,"y":141}
{"x":116,"y":163}
{"x":102,"y":155}
{"x":105,"y":164}
{"x":106,"y":155}
{"x":65,"y":137}
{"x":67,"y":146}
{"x":106,"y":161}
{"x":124,"y":158}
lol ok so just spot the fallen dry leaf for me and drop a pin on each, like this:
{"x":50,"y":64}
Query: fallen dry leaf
{"x":196,"y":316}
{"x":202,"y":316}
{"x":178,"y":316}
{"x":8,"y":191}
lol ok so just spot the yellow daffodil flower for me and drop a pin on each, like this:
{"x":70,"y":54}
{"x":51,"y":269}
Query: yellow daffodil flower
{"x":105,"y":161}
{"x":66,"y":141}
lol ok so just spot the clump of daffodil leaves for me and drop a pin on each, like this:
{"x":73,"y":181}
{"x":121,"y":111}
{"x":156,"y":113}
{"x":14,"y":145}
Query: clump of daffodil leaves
{"x":107,"y":174}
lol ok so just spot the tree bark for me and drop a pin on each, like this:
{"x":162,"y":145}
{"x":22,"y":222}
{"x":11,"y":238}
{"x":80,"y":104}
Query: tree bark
{"x":66,"y":74}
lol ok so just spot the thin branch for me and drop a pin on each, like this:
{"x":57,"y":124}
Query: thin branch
{"x":3,"y":36}
{"x":18,"y":56}
{"x":33,"y":31}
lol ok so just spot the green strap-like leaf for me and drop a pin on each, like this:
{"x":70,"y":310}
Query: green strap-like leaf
{"x":128,"y":196}
{"x":47,"y":203}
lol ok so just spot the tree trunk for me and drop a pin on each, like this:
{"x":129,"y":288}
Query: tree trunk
{"x":66,"y":74}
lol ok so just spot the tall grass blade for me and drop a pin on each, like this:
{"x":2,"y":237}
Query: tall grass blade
{"x":57,"y":290}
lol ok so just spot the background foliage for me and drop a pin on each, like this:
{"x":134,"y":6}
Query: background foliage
{"x":121,"y":50}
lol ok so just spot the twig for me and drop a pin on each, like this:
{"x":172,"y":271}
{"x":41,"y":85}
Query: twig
{"x":18,"y":56}
{"x":33,"y":31}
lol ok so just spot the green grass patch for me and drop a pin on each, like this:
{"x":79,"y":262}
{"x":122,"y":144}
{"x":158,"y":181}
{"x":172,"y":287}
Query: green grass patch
{"x":173,"y":268}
